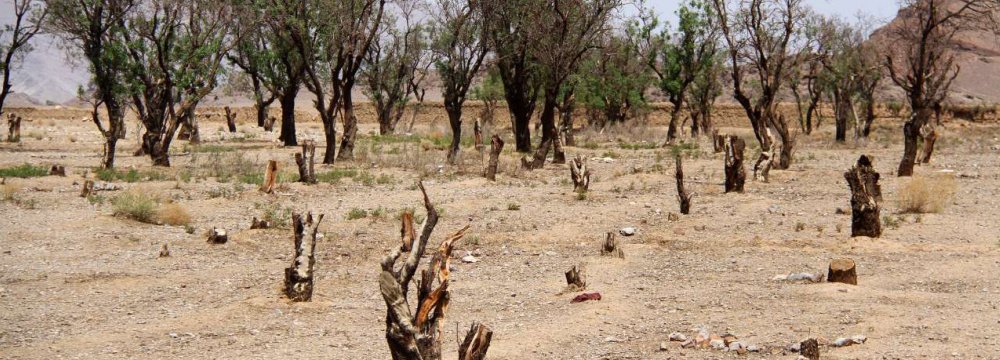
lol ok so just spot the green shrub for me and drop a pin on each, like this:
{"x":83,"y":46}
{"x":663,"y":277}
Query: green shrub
{"x":24,"y":171}
{"x":134,"y":205}
{"x":356,"y":213}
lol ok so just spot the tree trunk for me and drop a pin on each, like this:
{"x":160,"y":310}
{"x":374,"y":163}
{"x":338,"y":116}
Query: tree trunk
{"x":270,"y":177}
{"x":843,"y":271}
{"x":330,"y":134}
{"x":911,"y":131}
{"x":476,"y":342}
{"x":231,"y":120}
{"x":306,"y":161}
{"x":735,"y":174}
{"x":682,"y":194}
{"x":477,"y":131}
{"x":455,"y":120}
{"x":287,"y":135}
{"x":866,"y":198}
{"x":611,"y":247}
{"x":580,"y":174}
{"x":675,"y":113}
{"x":762,"y":169}
{"x":929,"y":135}
{"x":550,"y":133}
{"x":496,"y":146}
{"x":521,"y":126}
{"x":350,"y":128}
{"x":299,"y":277}
{"x":57,"y":170}
{"x":567,"y":122}
{"x":538,"y":160}
{"x":695,"y":124}
{"x":718,"y":141}
{"x":88,"y":188}
{"x":842,"y":110}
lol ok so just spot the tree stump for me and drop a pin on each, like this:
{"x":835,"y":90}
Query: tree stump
{"x":809,"y":349}
{"x":683,"y":196}
{"x":496,"y":146}
{"x":57,"y":170}
{"x":270,"y":177}
{"x":299,"y":277}
{"x":415,"y":334}
{"x":88,"y":188}
{"x":306,"y":161}
{"x":230,"y":119}
{"x":259,"y":224}
{"x":537,"y":161}
{"x":575,"y":280}
{"x":477,"y":130}
{"x":476,"y":342}
{"x":164,"y":251}
{"x":718,"y":141}
{"x":269,"y":124}
{"x":762,"y":168}
{"x":13,"y":128}
{"x":866,"y":198}
{"x":580,"y":174}
{"x":735,"y":174}
{"x":217,"y":236}
{"x":611,"y":246}
{"x":843,"y":271}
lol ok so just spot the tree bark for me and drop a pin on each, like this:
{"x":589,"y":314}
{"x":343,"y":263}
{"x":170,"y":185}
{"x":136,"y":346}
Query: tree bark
{"x":287,"y":135}
{"x":350,"y":128}
{"x":496,"y":146}
{"x":843,"y":271}
{"x":476,"y":342}
{"x":735,"y":174}
{"x":718,"y":141}
{"x":299,"y":276}
{"x":911,"y":131}
{"x":231,"y":119}
{"x":580,"y":174}
{"x":538,"y":160}
{"x":866,"y":198}
{"x":682,"y":194}
{"x":455,"y":120}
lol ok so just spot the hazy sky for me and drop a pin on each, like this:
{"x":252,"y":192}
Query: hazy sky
{"x":882,"y":10}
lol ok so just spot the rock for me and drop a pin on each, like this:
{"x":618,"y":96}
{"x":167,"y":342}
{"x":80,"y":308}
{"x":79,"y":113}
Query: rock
{"x":627,"y":231}
{"x":689,"y":343}
{"x":799,"y":277}
{"x":857,"y":339}
{"x":469,"y":259}
{"x":612,"y":339}
{"x":753,"y":348}
{"x":663,"y":346}
{"x":677,"y":337}
{"x":717,"y":344}
{"x":736,"y":346}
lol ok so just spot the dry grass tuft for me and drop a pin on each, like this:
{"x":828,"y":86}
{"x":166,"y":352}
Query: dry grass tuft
{"x":923,"y":195}
{"x":172,"y":214}
{"x":135,"y":205}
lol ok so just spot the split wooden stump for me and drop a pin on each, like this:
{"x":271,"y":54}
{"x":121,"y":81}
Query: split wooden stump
{"x":306,"y":161}
{"x":88,"y":188}
{"x":476,"y":342}
{"x":843,"y":271}
{"x":580,"y":174}
{"x":866,"y":198}
{"x":718,"y":141}
{"x":259,"y":224}
{"x":299,"y":276}
{"x":575,"y":280}
{"x":762,"y":168}
{"x":735,"y":173}
{"x":537,"y":161}
{"x":270,"y":177}
{"x":496,"y":146}
{"x":230,"y":119}
{"x":57,"y":170}
{"x":13,"y":128}
{"x":683,"y":196}
{"x":611,"y":247}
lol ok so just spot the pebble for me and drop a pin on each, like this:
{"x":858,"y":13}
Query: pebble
{"x":677,"y":337}
{"x":469,"y":259}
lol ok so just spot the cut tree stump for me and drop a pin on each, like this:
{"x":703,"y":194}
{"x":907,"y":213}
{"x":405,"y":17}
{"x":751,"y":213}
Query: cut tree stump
{"x":269,"y":124}
{"x":217,"y":236}
{"x":88,"y":188}
{"x":477,"y":130}
{"x":683,"y":196}
{"x":164,"y":251}
{"x":809,"y":349}
{"x":306,"y":161}
{"x":611,"y":247}
{"x":735,"y":174}
{"x":13,"y":128}
{"x":416,"y":333}
{"x":718,"y":141}
{"x":299,"y":277}
{"x":762,"y":169}
{"x":476,"y":342}
{"x":259,"y":224}
{"x":575,"y":280}
{"x":580,"y":174}
{"x":57,"y":170}
{"x":537,"y":161}
{"x":866,"y":198}
{"x":843,"y":271}
{"x":230,"y":119}
{"x":270,"y":177}
{"x":496,"y":146}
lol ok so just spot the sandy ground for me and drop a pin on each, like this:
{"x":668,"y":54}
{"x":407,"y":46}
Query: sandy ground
{"x":77,"y":282}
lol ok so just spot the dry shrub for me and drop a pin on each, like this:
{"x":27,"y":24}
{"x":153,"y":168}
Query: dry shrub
{"x":136,"y":205}
{"x":926,"y":194}
{"x":7,"y":191}
{"x":172,"y":214}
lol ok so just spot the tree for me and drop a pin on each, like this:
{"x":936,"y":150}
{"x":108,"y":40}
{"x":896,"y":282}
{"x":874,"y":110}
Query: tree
{"x":250,"y":55}
{"x":391,"y":64}
{"x":176,"y":48}
{"x":459,"y":50}
{"x":15,"y":40}
{"x":759,"y":35}
{"x":851,"y":74}
{"x":489,"y":92}
{"x":284,"y":70}
{"x":922,"y":60}
{"x":807,"y":70}
{"x":704,"y":90}
{"x":613,"y":78}
{"x":94,"y":28}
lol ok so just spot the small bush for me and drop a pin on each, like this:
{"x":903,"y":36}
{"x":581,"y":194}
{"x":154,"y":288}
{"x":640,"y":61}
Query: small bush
{"x":356,"y":213}
{"x":135,"y":205}
{"x":513,"y":207}
{"x":334,"y":176}
{"x":921,"y":195}
{"x":172,"y":214}
{"x":130,"y":176}
{"x":23,"y":171}
{"x":275,"y":214}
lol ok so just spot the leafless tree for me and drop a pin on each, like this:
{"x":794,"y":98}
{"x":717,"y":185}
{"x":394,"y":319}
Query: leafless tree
{"x":15,"y":39}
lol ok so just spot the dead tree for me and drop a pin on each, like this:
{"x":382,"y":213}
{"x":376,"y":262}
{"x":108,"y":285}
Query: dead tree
{"x":735,"y":174}
{"x":88,"y":188}
{"x":478,"y":132}
{"x":270,"y":177}
{"x":13,"y":128}
{"x":843,"y":271}
{"x":57,"y":170}
{"x":683,"y":196}
{"x":762,"y":169}
{"x":580,"y":174}
{"x":866,"y":198}
{"x":415,"y":334}
{"x":476,"y":342}
{"x":299,"y":277}
{"x":231,"y":119}
{"x":575,"y":280}
{"x":611,"y":247}
{"x":496,"y":146}
{"x":217,"y":236}
{"x":306,"y":161}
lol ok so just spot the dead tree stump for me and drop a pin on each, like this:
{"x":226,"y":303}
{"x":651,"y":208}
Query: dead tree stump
{"x":611,"y":246}
{"x":735,"y":174}
{"x":299,"y":277}
{"x":843,"y":271}
{"x":306,"y":161}
{"x":230,"y":119}
{"x":259,"y":224}
{"x":762,"y":168}
{"x":164,"y":251}
{"x":575,"y":280}
{"x":57,"y":170}
{"x":580,"y":174}
{"x":270,"y":177}
{"x":866,"y":198}
{"x":683,"y":196}
{"x":415,"y":334}
{"x":496,"y":146}
{"x":477,"y":130}
{"x":718,"y":141}
{"x":537,"y":161}
{"x":809,"y":349}
{"x":13,"y":128}
{"x":88,"y":188}
{"x":476,"y":342}
{"x":269,"y":124}
{"x":217,"y":236}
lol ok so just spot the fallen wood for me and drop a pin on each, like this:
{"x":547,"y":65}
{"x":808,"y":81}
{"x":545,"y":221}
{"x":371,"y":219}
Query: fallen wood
{"x":476,"y":342}
{"x":217,"y":236}
{"x":230,"y":119}
{"x":416,"y":333}
{"x":57,"y":170}
{"x":843,"y":271}
{"x":580,"y":174}
{"x":762,"y":168}
{"x":306,"y":161}
{"x":683,"y":196}
{"x":866,"y":198}
{"x":735,"y":174}
{"x":610,"y":247}
{"x":88,"y":188}
{"x":270,"y":177}
{"x":299,"y":276}
{"x":259,"y":224}
{"x":496,"y":146}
